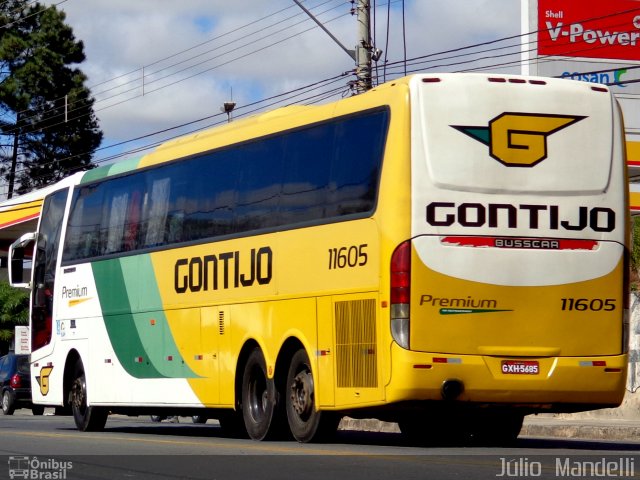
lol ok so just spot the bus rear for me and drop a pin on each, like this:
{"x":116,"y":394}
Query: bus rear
{"x":510,"y":291}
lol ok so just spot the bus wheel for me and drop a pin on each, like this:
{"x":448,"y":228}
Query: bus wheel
{"x":88,"y":419}
{"x":305,"y":422}
{"x":259,"y":398}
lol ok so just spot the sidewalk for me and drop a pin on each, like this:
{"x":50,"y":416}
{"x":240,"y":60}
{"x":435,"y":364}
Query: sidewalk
{"x":601,"y":428}
{"x":592,"y":429}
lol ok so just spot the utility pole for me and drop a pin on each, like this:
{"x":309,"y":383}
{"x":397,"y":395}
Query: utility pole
{"x":362,"y":53}
{"x":14,"y":157}
{"x":364,"y":47}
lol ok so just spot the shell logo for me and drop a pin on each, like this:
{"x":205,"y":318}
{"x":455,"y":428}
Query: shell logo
{"x":519,"y":139}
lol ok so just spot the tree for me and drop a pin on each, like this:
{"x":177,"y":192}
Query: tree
{"x":14,"y":310}
{"x":52,"y":130}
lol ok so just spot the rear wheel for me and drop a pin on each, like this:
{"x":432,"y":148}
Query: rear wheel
{"x":87,"y":419}
{"x":259,"y":398}
{"x":305,"y":422}
{"x":8,"y":403}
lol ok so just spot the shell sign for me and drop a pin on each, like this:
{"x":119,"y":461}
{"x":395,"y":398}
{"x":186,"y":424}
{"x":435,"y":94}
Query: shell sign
{"x":606,"y":29}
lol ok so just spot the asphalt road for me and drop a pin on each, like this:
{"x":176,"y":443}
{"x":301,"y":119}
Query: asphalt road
{"x":135,"y":448}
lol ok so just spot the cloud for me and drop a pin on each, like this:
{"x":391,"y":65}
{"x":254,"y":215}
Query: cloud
{"x":195,"y":51}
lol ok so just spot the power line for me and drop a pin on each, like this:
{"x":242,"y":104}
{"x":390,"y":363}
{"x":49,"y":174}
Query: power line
{"x":289,"y":94}
{"x":6,"y":25}
{"x":137,"y":88}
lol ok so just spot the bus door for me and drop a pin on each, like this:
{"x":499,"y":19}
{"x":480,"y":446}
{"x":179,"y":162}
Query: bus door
{"x":44,"y":262}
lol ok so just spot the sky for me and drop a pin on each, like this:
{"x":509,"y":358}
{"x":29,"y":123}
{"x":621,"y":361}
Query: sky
{"x":195,"y":55}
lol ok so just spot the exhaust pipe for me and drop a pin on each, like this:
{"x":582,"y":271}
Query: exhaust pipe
{"x":452,"y":389}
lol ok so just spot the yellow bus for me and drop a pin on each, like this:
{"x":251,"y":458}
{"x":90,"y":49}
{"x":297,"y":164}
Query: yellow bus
{"x":444,"y":251}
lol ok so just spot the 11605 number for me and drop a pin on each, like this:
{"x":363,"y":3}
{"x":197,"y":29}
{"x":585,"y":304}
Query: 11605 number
{"x":588,"y":304}
{"x":343,"y":257}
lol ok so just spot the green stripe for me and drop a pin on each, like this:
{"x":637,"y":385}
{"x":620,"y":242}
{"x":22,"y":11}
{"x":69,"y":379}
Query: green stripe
{"x":109,"y":170}
{"x":156,"y":337}
{"x":142,"y":346}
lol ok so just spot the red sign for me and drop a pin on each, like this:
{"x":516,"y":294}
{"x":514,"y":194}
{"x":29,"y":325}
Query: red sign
{"x":606,"y":29}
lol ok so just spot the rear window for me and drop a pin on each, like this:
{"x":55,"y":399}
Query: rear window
{"x":510,"y":138}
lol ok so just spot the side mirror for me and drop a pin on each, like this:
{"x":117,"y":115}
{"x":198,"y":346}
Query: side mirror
{"x":16,"y":260}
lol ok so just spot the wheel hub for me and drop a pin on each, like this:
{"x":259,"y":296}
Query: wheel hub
{"x":77,"y":394}
{"x":302,"y":393}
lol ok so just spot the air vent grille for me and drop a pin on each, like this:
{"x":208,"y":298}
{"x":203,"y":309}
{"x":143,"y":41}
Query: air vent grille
{"x":356,"y":355}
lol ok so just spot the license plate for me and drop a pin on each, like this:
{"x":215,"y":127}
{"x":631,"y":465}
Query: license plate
{"x":520,"y":367}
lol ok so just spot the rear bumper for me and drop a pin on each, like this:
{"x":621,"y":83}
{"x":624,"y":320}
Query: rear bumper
{"x":562,"y":383}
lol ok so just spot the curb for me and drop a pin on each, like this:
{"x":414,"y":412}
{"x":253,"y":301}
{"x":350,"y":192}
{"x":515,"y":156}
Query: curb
{"x":533,"y":427}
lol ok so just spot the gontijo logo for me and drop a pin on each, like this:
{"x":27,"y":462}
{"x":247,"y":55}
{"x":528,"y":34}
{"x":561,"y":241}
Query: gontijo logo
{"x":519,"y":139}
{"x":43,"y":379}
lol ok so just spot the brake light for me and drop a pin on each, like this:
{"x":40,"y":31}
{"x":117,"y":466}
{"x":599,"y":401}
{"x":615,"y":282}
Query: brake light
{"x":16,"y":381}
{"x":401,"y":293}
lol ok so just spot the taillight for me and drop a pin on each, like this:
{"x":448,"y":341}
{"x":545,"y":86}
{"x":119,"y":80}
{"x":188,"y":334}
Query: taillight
{"x":16,"y":381}
{"x":401,"y":293}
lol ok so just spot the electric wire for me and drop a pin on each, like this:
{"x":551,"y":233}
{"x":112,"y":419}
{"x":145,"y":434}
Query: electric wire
{"x":137,"y":88}
{"x":278,"y":99}
{"x":6,"y":25}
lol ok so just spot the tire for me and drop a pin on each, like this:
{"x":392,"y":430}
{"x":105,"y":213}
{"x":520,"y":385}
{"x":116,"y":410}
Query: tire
{"x":259,"y":399}
{"x":157,"y":418}
{"x":8,"y":402}
{"x":87,"y":419}
{"x":305,"y":422}
{"x":37,"y":409}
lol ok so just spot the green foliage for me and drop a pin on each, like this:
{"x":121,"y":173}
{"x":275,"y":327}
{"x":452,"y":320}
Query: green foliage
{"x":38,"y":80}
{"x":14,"y":310}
